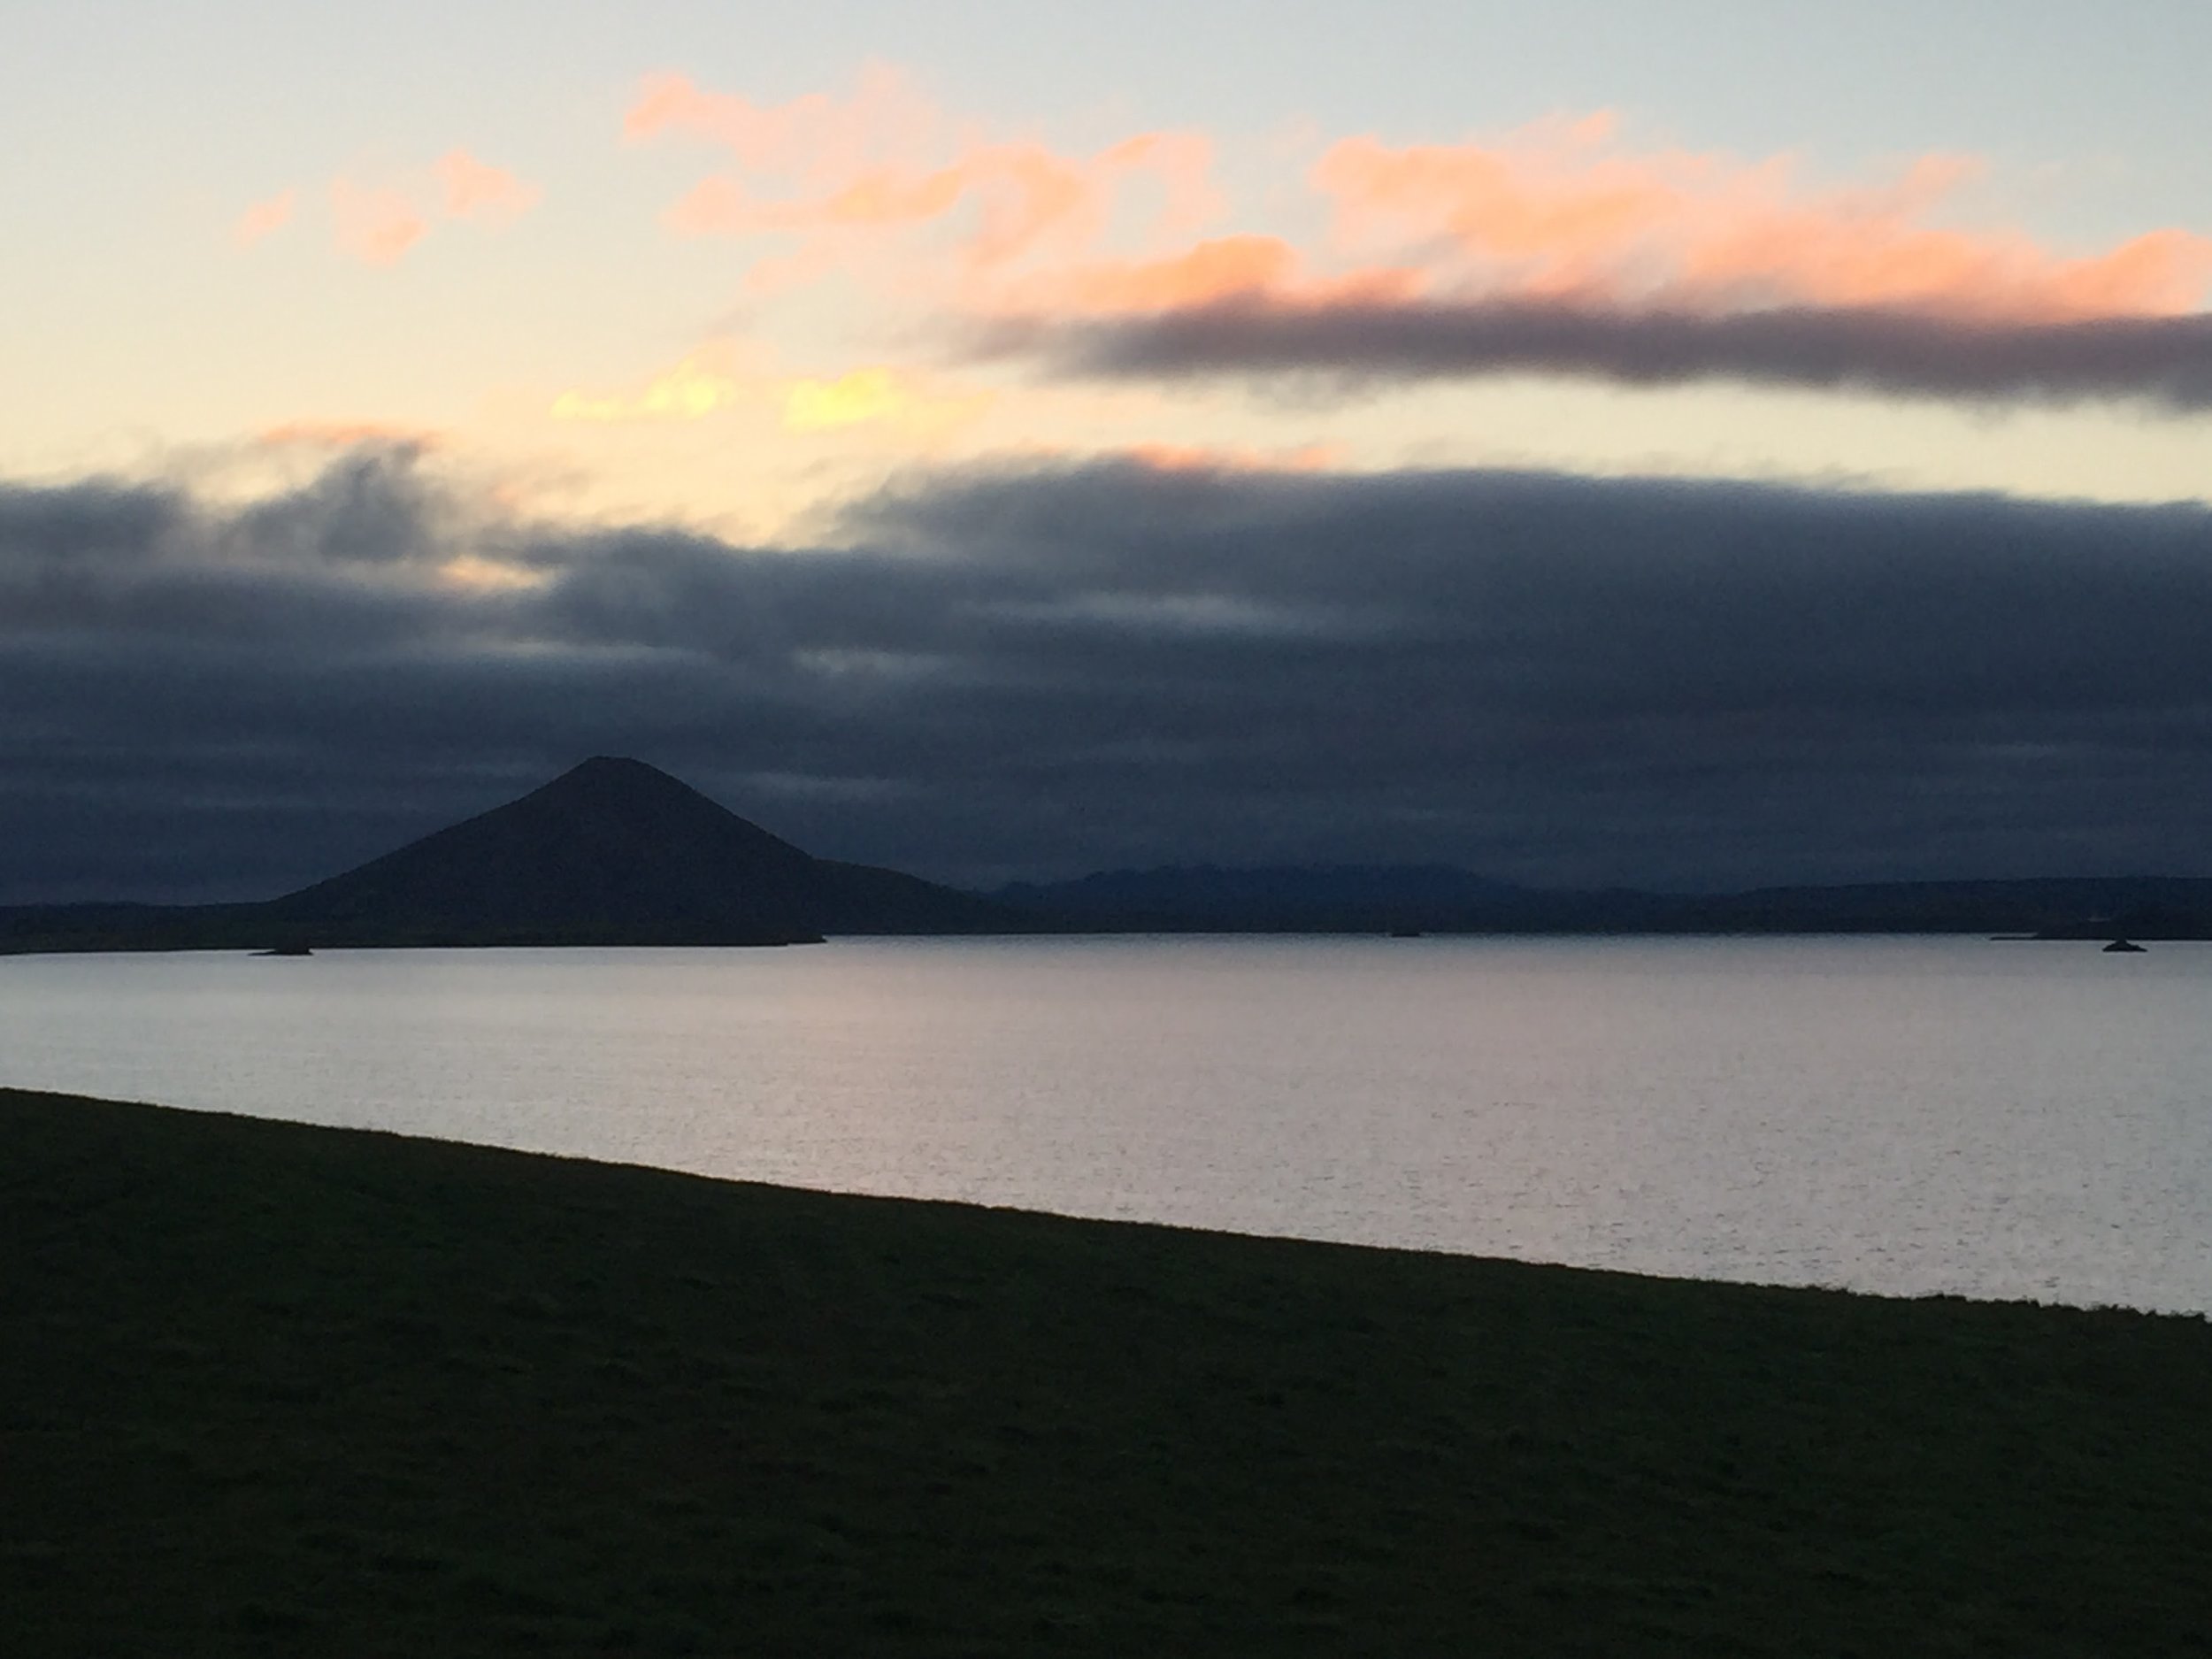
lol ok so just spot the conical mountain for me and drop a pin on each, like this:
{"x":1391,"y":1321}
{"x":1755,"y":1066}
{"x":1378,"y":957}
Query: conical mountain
{"x":613,"y":852}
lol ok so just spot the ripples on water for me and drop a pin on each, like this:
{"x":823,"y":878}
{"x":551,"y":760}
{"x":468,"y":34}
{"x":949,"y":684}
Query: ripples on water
{"x":1895,"y":1115}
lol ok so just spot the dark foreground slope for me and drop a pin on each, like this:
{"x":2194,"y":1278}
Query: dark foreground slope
{"x":274,"y":1390}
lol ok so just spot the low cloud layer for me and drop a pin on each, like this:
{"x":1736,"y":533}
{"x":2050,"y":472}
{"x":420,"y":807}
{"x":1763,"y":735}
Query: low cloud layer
{"x":2164,"y":361}
{"x":1031,"y":673}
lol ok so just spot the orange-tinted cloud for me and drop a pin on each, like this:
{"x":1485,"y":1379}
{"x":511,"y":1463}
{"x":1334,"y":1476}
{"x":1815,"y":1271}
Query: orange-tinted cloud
{"x":1560,"y":212}
{"x":1025,"y":198}
{"x":1212,"y":272}
{"x":816,"y":138}
{"x":344,"y":435}
{"x":1557,"y":248}
{"x":1555,"y":252}
{"x":380,"y":223}
{"x":376,"y":225}
{"x":265,"y":218}
{"x":476,"y":190}
{"x":1023,"y":193}
{"x":843,"y":176}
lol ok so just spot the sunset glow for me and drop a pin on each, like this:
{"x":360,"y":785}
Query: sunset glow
{"x":956,"y":371}
{"x":877,"y":213}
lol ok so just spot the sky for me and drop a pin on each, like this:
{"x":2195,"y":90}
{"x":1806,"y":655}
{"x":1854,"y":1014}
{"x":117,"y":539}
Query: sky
{"x":1693,"y":446}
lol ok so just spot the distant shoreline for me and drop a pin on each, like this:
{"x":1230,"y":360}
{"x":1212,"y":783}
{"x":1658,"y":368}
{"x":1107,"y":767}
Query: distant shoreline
{"x":616,"y":852}
{"x":29,"y":938}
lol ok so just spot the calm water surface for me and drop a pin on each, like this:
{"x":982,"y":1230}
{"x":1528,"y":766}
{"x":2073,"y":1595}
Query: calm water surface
{"x":1894,"y":1115}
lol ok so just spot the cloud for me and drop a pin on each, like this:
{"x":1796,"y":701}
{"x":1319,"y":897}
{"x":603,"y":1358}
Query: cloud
{"x":2164,"y":361}
{"x":265,"y":218}
{"x":1041,"y":670}
{"x":816,"y":136}
{"x":1561,"y":211}
{"x":1026,"y":197}
{"x":1554,"y":252}
{"x":346,"y":434}
{"x":1221,"y":270}
{"x":1556,"y":249}
{"x":375,"y":225}
{"x":380,"y":223}
{"x":476,"y":190}
{"x":844,"y":177}
{"x":1560,"y":248}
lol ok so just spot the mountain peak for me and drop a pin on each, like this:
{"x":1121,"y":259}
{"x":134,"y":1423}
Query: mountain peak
{"x":615,"y":852}
{"x":612,"y":850}
{"x":615,"y":766}
{"x":615,"y":771}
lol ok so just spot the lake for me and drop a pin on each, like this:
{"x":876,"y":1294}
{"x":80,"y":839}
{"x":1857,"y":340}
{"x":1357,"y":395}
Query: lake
{"x":1895,"y":1115}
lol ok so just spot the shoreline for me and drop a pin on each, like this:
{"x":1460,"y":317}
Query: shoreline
{"x":1197,"y":1229}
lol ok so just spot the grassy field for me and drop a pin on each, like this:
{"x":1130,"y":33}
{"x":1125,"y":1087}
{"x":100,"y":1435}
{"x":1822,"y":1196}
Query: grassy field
{"x":268,"y":1389}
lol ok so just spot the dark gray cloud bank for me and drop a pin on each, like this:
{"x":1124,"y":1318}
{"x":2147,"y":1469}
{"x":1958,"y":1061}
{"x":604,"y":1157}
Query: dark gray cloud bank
{"x":1541,"y":677}
{"x":2163,"y":361}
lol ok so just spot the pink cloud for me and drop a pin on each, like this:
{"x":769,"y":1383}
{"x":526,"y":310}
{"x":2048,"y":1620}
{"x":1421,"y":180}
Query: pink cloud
{"x":377,"y":225}
{"x":1559,"y":213}
{"x":817,"y":137}
{"x":1559,"y":248}
{"x":265,"y":218}
{"x":1025,"y":197}
{"x":1210,"y":273}
{"x":845,"y":175}
{"x":476,"y":190}
{"x":344,"y":435}
{"x":1024,"y":193}
{"x":380,"y":223}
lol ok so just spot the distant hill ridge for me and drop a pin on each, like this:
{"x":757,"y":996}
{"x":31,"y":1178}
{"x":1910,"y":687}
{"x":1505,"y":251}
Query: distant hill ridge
{"x":616,"y":852}
{"x":612,"y":852}
{"x":1362,"y":898}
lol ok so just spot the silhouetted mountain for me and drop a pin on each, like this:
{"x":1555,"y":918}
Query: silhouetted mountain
{"x":617,"y":853}
{"x":612,"y":852}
